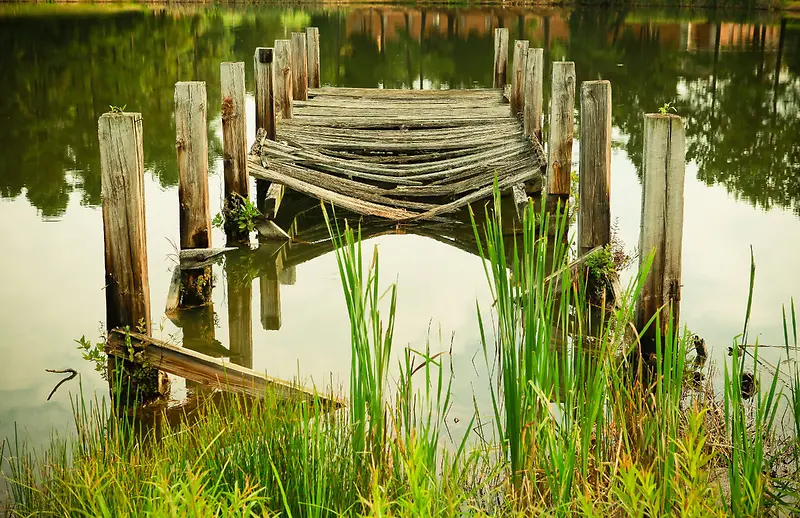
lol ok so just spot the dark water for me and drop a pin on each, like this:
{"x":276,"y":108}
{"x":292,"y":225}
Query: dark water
{"x":735,"y":77}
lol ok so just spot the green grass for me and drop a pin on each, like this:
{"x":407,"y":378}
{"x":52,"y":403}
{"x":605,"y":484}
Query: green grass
{"x":577,"y":425}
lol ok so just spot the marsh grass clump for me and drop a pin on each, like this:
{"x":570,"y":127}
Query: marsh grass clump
{"x":573,"y":428}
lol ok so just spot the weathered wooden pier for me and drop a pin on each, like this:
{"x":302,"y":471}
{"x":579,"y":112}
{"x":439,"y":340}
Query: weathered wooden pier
{"x":406,"y":160}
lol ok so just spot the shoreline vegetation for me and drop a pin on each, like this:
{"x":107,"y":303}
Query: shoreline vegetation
{"x":578,"y":425}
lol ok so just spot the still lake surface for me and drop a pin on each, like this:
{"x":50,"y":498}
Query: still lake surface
{"x":735,"y":77}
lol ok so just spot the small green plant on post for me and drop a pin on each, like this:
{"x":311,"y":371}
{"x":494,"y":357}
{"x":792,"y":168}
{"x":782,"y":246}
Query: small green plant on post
{"x":667,"y":107}
{"x":239,"y":216}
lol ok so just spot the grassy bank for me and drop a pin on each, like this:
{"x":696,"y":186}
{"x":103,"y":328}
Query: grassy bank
{"x":577,"y":426}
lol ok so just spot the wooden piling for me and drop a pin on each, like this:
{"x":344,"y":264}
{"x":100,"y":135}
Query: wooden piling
{"x":299,"y":67}
{"x":663,"y":175}
{"x":562,"y":122}
{"x":265,"y":108}
{"x":312,"y":50}
{"x":594,"y":209}
{"x":234,"y":141}
{"x":283,"y":78}
{"x":534,"y":93}
{"x":518,"y":77}
{"x":240,"y":322}
{"x":127,"y":287}
{"x":500,"y":57}
{"x":191,"y":144}
{"x":270,"y":288}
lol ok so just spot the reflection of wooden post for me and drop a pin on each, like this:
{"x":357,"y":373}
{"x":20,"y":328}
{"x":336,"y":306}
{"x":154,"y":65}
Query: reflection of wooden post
{"x":240,"y":319}
{"x":534,"y":91}
{"x":234,"y":139}
{"x":265,"y":108}
{"x":288,"y":276}
{"x":271,"y":297}
{"x":663,"y":173}
{"x":500,"y":57}
{"x":127,"y":283}
{"x":312,"y":50}
{"x":562,"y":121}
{"x":283,"y":77}
{"x":191,"y":143}
{"x":518,"y":77}
{"x":299,"y":67}
{"x":594,"y":217}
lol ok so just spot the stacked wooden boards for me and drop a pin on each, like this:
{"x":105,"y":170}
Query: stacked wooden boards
{"x":399,"y":154}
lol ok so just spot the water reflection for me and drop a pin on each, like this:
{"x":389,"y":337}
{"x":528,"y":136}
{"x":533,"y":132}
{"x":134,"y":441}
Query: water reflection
{"x":734,"y":79}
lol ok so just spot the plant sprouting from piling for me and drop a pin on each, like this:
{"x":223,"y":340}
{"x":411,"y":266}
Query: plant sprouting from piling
{"x":94,"y":353}
{"x":117,"y":109}
{"x":667,"y":107}
{"x":239,"y":214}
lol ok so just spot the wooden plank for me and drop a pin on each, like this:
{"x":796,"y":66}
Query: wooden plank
{"x":518,"y":77}
{"x":534,"y":91}
{"x":191,"y":143}
{"x":299,"y":67}
{"x":500,"y":57}
{"x":594,"y":209}
{"x":562,"y":122}
{"x":312,"y":50}
{"x":663,"y":177}
{"x":265,"y":90}
{"x":283,"y":78}
{"x":198,"y":367}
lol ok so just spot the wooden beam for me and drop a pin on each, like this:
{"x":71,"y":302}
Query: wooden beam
{"x":534,"y":91}
{"x":312,"y":49}
{"x":198,"y":367}
{"x":283,"y":78}
{"x":562,"y":128}
{"x":500,"y":57}
{"x":518,"y":77}
{"x":299,"y":67}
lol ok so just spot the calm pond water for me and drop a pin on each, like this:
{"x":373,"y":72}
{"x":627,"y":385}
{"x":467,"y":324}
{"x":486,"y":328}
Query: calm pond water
{"x":735,"y":77}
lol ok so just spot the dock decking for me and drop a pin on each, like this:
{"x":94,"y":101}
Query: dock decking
{"x":399,"y":154}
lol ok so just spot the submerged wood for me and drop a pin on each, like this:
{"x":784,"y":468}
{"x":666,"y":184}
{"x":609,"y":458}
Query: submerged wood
{"x":214,"y":372}
{"x":195,"y":258}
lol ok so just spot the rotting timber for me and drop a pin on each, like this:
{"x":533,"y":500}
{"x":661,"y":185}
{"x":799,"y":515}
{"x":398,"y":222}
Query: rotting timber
{"x":402,"y":155}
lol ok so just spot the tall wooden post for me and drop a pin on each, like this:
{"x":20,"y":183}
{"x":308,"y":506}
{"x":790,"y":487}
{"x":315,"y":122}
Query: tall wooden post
{"x":234,"y":141}
{"x":500,"y":57}
{"x":191,"y":144}
{"x":661,"y":234}
{"x":127,"y":284}
{"x":562,"y":122}
{"x":594,"y":209}
{"x":299,"y":67}
{"x":518,"y":77}
{"x":534,"y":93}
{"x":265,"y":108}
{"x":283,"y":78}
{"x":312,"y":49}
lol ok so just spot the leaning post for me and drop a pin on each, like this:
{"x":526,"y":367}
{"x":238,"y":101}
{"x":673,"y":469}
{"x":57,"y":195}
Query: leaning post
{"x":312,"y":50}
{"x":534,"y":93}
{"x":562,"y":122}
{"x":500,"y":57}
{"x":299,"y":67}
{"x":265,"y":108}
{"x":234,"y":143}
{"x":127,"y":287}
{"x":283,"y":77}
{"x":661,"y":233}
{"x":191,"y":144}
{"x":518,"y":77}
{"x":594,"y":209}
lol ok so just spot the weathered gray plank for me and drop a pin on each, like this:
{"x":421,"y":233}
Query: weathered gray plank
{"x":562,"y":122}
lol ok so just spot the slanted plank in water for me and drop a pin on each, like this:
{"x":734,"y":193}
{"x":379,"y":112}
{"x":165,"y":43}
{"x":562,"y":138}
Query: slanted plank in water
{"x":214,"y":372}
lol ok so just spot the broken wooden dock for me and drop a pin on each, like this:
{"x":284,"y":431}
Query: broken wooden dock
{"x":399,"y":154}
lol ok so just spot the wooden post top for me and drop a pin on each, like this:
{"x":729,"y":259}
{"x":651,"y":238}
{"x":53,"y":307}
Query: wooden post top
{"x":656,"y":116}
{"x":264,"y":54}
{"x":119,"y":114}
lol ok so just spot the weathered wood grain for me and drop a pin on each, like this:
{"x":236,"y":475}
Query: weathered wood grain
{"x":518,"y":77}
{"x":663,"y":177}
{"x":534,"y":92}
{"x":265,"y":90}
{"x":594,"y":209}
{"x":500,"y":57}
{"x":312,"y":51}
{"x":191,"y":143}
{"x":562,"y":122}
{"x":299,"y":67}
{"x":234,"y":130}
{"x":283,"y":78}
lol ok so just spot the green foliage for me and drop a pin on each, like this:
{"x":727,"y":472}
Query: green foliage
{"x":94,"y":353}
{"x":239,"y":214}
{"x":117,"y":109}
{"x":667,"y":107}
